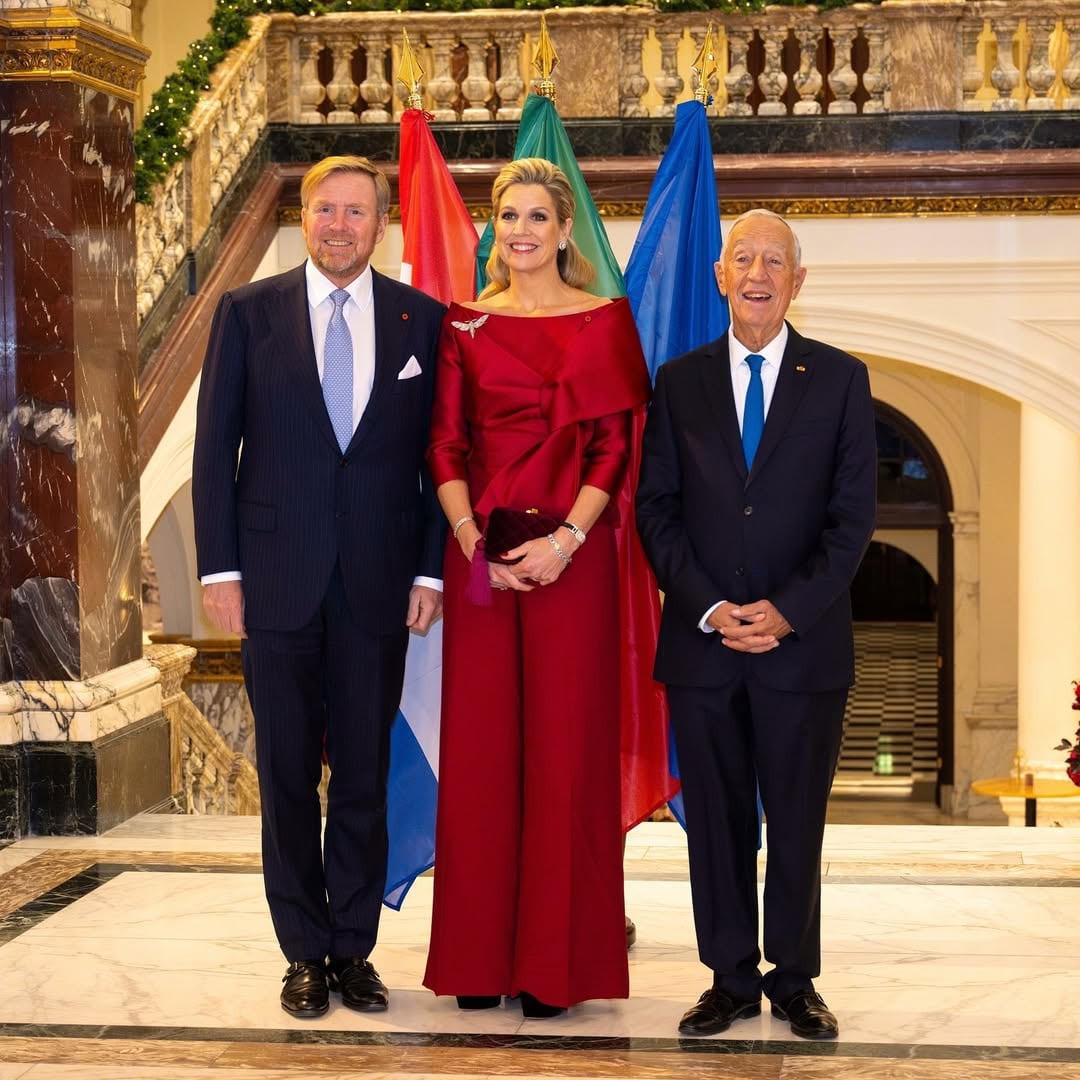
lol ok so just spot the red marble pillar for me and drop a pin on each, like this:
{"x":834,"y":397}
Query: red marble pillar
{"x":69,"y":482}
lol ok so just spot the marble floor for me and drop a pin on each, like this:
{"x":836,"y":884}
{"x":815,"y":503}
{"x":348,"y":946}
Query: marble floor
{"x":147,"y":954}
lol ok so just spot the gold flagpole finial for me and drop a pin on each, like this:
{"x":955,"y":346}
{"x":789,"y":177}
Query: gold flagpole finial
{"x":410,"y":73}
{"x":705,"y":67}
{"x":544,"y":60}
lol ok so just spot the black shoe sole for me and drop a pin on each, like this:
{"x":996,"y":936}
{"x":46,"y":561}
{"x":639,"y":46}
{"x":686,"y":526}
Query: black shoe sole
{"x":472,"y":1003}
{"x":747,"y":1012}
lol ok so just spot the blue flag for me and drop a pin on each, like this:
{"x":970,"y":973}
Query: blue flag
{"x":670,"y":280}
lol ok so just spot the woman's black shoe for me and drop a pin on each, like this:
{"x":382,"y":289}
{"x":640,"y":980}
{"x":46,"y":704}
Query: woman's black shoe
{"x":478,"y":1002}
{"x":534,"y":1009}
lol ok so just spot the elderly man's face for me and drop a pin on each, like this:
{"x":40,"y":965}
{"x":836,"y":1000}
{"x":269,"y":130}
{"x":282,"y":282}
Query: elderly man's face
{"x":757,"y":274}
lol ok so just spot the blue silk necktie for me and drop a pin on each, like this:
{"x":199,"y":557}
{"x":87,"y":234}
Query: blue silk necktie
{"x":754,"y":410}
{"x":337,"y":381}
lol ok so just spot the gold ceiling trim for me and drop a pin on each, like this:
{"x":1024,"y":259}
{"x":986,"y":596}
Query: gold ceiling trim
{"x":58,"y":45}
{"x":870,"y":206}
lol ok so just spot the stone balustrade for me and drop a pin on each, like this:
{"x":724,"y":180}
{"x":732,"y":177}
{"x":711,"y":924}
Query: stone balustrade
{"x":899,"y":56}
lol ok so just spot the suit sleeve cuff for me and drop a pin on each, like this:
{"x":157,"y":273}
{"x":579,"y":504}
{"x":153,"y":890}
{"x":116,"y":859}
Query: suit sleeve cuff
{"x":703,"y":624}
{"x":224,"y":575}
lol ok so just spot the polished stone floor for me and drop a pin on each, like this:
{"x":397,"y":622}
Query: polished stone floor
{"x":147,"y":954}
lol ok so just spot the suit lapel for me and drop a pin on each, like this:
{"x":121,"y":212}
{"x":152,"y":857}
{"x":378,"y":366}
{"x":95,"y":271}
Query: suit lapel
{"x":391,"y":321}
{"x":796,"y":371}
{"x":299,"y":350}
{"x":716,"y":375}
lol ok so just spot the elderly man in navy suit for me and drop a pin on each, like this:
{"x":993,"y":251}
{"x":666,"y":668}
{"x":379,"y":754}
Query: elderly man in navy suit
{"x":755,"y":504}
{"x":320,"y":542}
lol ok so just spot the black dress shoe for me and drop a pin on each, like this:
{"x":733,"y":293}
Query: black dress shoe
{"x":631,"y":933}
{"x":715,"y":1011}
{"x":305,"y":993}
{"x":359,"y":984}
{"x":534,"y":1009}
{"x":477,"y":1002}
{"x":808,"y":1015}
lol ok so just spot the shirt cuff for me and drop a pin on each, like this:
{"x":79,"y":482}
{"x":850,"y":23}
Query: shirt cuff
{"x":224,"y":575}
{"x":703,"y":625}
{"x":431,"y":582}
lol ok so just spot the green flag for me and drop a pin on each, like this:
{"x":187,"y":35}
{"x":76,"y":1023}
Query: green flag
{"x":542,"y":135}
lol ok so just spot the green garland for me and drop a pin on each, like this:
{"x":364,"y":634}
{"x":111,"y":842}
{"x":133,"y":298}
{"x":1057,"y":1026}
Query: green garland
{"x":159,"y":141}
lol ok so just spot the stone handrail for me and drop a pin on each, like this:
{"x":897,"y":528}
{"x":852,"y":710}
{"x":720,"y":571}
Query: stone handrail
{"x":897,"y":56}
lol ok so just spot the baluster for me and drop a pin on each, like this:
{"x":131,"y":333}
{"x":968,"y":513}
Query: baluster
{"x":312,"y":91}
{"x":510,"y":86}
{"x":978,"y":89}
{"x":842,"y":78}
{"x":738,"y":81}
{"x":476,"y":86}
{"x":1005,"y":76}
{"x":341,"y":91}
{"x":376,"y":90}
{"x":807,"y":79}
{"x":668,"y":83}
{"x":1070,"y":74}
{"x":1040,"y":73}
{"x":442,"y":86}
{"x":875,"y":80}
{"x":634,"y":81}
{"x":772,"y":80}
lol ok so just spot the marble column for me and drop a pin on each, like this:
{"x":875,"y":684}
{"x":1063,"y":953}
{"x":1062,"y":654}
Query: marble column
{"x":69,"y":485}
{"x":1048,"y":600}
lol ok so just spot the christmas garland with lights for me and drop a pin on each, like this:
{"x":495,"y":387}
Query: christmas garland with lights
{"x":160,"y":139}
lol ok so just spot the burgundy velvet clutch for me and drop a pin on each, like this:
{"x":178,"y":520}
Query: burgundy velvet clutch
{"x":507,"y":529}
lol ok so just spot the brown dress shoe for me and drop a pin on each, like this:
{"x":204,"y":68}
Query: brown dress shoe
{"x":359,"y":984}
{"x":305,"y":993}
{"x":715,"y":1011}
{"x":808,"y":1015}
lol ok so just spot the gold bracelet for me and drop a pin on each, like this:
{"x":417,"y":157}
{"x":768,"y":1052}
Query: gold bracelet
{"x":461,"y":521}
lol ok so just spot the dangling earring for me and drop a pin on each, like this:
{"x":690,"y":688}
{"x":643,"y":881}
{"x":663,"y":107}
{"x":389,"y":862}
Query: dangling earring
{"x":562,"y":245}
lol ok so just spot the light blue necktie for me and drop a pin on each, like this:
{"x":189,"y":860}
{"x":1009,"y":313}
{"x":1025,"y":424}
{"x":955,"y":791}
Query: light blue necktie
{"x":337,"y":381}
{"x":754,"y":410}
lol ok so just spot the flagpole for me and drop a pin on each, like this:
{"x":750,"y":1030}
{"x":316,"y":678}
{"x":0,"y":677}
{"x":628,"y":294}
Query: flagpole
{"x":544,"y":60}
{"x":704,"y":68}
{"x":410,"y":73}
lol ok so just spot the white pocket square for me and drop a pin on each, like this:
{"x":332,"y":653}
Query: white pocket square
{"x":410,"y":370}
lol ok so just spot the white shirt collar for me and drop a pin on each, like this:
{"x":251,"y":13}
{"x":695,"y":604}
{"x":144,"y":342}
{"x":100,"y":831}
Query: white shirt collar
{"x":773,"y":352}
{"x":319,"y":286}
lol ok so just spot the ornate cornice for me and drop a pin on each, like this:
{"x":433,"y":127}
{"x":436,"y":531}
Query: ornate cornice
{"x":55,"y":44}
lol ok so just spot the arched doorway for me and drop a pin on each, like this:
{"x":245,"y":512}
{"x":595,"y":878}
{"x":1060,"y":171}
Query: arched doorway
{"x":898,"y":728}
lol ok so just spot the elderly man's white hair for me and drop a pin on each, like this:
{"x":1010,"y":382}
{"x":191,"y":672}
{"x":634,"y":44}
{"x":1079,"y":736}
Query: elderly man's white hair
{"x":760,"y":211}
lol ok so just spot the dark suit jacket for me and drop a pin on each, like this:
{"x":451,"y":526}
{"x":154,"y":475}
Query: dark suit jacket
{"x":295,"y":504}
{"x":793,"y":531}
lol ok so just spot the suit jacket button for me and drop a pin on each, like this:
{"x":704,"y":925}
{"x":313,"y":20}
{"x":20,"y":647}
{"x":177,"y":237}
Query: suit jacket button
{"x":747,"y":510}
{"x":739,"y":571}
{"x":342,"y":463}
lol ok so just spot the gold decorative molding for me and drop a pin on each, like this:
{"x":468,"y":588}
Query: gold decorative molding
{"x":55,"y":44}
{"x":216,"y":659}
{"x":869,"y":206}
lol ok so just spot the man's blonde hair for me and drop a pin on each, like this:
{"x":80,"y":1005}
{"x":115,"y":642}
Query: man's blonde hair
{"x":347,"y":163}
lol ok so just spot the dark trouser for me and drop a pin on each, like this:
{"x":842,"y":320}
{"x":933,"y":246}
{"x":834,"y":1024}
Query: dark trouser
{"x":327,"y":677}
{"x":731,"y":740}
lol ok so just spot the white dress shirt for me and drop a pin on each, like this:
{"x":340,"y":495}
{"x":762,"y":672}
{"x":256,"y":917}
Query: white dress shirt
{"x":773,"y":355}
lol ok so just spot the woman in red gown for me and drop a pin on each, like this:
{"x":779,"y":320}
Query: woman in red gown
{"x":539,"y":395}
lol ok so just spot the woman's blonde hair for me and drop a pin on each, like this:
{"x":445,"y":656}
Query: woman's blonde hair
{"x":574,"y":268}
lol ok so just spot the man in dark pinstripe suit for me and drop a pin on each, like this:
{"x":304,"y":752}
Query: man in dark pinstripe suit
{"x":321,"y":549}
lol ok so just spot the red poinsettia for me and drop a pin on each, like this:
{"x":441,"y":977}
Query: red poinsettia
{"x":1072,"y":759}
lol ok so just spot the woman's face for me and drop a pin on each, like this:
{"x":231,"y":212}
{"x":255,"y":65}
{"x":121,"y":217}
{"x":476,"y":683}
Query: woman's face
{"x":527,"y":228}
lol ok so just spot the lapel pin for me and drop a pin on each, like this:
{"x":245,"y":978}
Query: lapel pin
{"x":799,"y":367}
{"x":404,"y":315}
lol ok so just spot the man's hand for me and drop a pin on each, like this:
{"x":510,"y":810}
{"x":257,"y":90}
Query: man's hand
{"x":425,"y":606}
{"x":223,"y":602}
{"x":752,"y":628}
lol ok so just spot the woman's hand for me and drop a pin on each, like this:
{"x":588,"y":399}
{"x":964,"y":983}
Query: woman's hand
{"x":542,"y":563}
